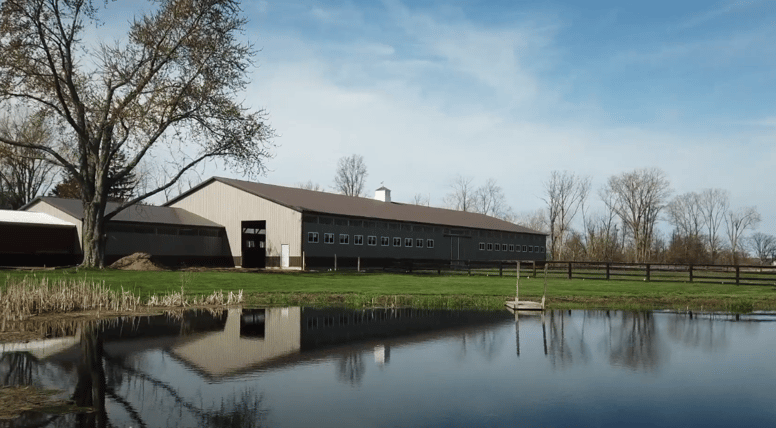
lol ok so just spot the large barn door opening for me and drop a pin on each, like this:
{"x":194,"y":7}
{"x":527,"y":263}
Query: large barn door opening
{"x":254,"y":244}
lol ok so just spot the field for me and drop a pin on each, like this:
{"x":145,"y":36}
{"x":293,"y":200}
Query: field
{"x":424,"y":290}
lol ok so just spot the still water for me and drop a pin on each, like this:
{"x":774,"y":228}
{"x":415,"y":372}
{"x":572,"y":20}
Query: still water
{"x":306,"y":367}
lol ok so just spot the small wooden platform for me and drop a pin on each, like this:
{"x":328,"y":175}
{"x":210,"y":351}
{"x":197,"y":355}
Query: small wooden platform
{"x":524,"y":305}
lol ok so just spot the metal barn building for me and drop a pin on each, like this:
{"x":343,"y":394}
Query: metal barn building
{"x":173,"y":236}
{"x":35,"y":239}
{"x":275,"y":226}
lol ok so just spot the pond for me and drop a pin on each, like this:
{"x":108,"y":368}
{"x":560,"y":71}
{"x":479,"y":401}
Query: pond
{"x":303,"y":367}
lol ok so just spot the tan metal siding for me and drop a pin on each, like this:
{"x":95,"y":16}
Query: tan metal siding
{"x":43,"y":207}
{"x":229,"y":206}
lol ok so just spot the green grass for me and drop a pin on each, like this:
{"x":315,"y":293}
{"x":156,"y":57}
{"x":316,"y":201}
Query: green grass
{"x":429,"y":290}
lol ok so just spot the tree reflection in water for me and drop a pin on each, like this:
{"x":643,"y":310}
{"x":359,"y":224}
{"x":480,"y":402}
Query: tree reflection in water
{"x":351,"y":368}
{"x":128,"y":387}
{"x":706,"y":334}
{"x":566,"y":343}
{"x":635,"y":342}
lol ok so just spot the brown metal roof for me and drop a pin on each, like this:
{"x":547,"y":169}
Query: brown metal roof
{"x":137,"y":213}
{"x":310,"y":201}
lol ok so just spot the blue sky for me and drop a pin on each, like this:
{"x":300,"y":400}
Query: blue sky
{"x":513,"y":90}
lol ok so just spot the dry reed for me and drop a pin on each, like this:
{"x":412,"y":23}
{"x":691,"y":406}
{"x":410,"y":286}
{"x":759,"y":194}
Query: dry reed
{"x":22,"y":298}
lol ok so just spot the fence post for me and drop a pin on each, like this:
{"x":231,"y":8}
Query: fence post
{"x":303,"y":264}
{"x":534,"y":266}
{"x":738,"y":275}
{"x":608,"y":267}
{"x":469,"y":267}
{"x":569,"y":270}
{"x":335,"y":263}
{"x":647,"y":271}
{"x":358,"y":269}
{"x":500,"y":272}
{"x":690,"y":272}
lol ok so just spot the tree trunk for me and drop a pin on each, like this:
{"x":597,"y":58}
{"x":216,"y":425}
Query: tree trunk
{"x":93,"y":234}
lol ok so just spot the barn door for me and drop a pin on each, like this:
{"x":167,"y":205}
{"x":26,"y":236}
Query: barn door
{"x":254,"y":243}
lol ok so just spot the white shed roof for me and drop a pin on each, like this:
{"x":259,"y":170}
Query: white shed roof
{"x":26,"y":217}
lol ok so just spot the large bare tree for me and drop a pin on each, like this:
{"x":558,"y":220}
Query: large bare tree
{"x":737,"y":222}
{"x":565,"y":193}
{"x":763,"y":245}
{"x":714,"y":203}
{"x":24,"y":172}
{"x":637,"y":198}
{"x":170,"y":86}
{"x":350,"y":178}
{"x":462,"y":194}
{"x":489,"y":199}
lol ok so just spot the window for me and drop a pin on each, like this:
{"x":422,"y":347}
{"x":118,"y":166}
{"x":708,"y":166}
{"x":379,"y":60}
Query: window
{"x":542,"y":249}
{"x":312,"y":237}
{"x":384,"y":241}
{"x":371,"y":240}
{"x":419,"y":242}
{"x":328,"y":238}
{"x":429,"y":243}
{"x":530,"y":248}
{"x":525,"y":249}
{"x":358,"y":239}
{"x":517,"y":248}
{"x":482,"y":246}
{"x":344,"y":238}
{"x":498,"y":247}
{"x":407,"y":242}
{"x":397,"y":242}
{"x":504,"y":248}
{"x":511,"y":247}
{"x":490,"y":246}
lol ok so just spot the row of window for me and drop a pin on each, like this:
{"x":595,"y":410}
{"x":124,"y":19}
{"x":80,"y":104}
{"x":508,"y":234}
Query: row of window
{"x":344,"y":238}
{"x":511,"y":247}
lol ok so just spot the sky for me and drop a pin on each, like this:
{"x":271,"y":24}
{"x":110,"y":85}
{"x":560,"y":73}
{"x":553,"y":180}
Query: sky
{"x":512,"y":90}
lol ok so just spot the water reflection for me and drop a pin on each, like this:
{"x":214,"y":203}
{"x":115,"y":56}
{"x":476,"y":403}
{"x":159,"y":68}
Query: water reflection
{"x":256,"y":367}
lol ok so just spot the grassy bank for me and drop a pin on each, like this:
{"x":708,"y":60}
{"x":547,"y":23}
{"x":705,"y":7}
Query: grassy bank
{"x":455,"y":291}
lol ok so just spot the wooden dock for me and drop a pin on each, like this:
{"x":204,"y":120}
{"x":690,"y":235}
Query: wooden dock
{"x":524,"y":305}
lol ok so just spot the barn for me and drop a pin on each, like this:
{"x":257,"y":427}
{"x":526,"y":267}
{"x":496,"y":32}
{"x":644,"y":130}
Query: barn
{"x":172,"y":235}
{"x":275,"y":226}
{"x":35,"y":239}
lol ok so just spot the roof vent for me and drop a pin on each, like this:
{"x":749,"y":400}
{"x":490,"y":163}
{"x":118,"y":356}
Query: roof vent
{"x":383,"y":194}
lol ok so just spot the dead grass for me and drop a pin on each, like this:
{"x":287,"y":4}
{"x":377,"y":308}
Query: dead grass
{"x":16,"y":400}
{"x":31,"y":296}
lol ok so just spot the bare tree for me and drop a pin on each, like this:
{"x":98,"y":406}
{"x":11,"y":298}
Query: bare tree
{"x":24,"y":173}
{"x":310,"y":186}
{"x":536,"y":220}
{"x":350,"y":177}
{"x":763,"y":245}
{"x":171,"y":84}
{"x":565,"y":194}
{"x":714,"y":203}
{"x":489,"y":199}
{"x":737,"y":222}
{"x":421,"y":199}
{"x":685,"y":213}
{"x":602,"y":237}
{"x":637,"y":198}
{"x":461,"y":197}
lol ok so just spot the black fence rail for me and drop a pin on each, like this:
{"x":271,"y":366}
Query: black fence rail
{"x":645,"y":272}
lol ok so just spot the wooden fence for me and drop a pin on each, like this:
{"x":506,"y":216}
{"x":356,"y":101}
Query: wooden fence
{"x":645,"y":272}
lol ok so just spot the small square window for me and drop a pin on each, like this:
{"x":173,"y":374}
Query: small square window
{"x":511,"y":247}
{"x":429,"y":243}
{"x":358,"y":239}
{"x":530,"y":248}
{"x":312,"y":237}
{"x":517,"y":248}
{"x":490,"y":247}
{"x":328,"y":238}
{"x":498,"y":247}
{"x":419,"y":242}
{"x":384,"y":240}
{"x":372,"y":240}
{"x":344,"y":238}
{"x":407,"y":242}
{"x":482,"y":246}
{"x":397,"y":242}
{"x":504,"y":248}
{"x":525,"y":249}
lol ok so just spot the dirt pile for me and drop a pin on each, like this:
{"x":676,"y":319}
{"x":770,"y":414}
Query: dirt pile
{"x":136,"y":261}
